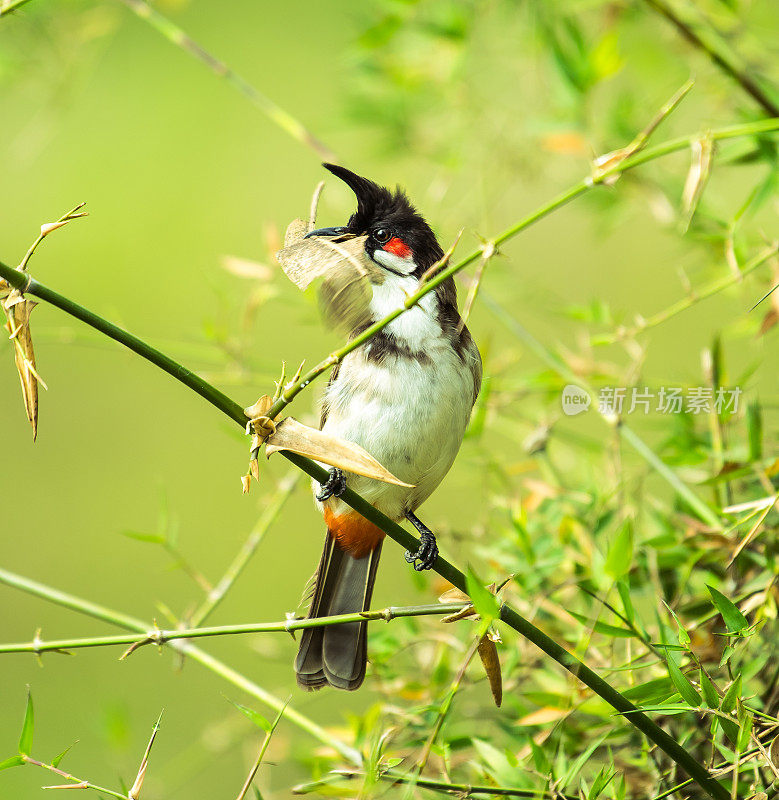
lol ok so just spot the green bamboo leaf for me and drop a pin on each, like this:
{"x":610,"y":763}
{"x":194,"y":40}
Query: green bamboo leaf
{"x":746,"y":722}
{"x":13,"y":761}
{"x":627,"y":603}
{"x":683,"y":685}
{"x":58,"y":759}
{"x":709,"y":692}
{"x":255,"y":717}
{"x":140,"y":536}
{"x":582,"y":759}
{"x":484,"y":601}
{"x":25,"y":739}
{"x":654,"y":691}
{"x":602,"y":780}
{"x":732,"y":696}
{"x":684,"y":637}
{"x":621,"y":552}
{"x":542,"y":763}
{"x":734,"y":620}
{"x":604,"y":628}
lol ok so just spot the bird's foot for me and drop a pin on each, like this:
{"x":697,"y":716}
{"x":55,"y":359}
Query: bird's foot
{"x":425,"y":557}
{"x":334,"y":486}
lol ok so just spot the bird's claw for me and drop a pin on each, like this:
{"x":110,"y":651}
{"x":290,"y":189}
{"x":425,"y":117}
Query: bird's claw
{"x":334,"y":486}
{"x":425,"y":557}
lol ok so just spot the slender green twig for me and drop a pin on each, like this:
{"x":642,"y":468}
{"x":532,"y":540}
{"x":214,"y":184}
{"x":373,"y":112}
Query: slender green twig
{"x":159,"y":636}
{"x":263,"y":748}
{"x":272,"y":510}
{"x":701,"y":33}
{"x":128,"y":622}
{"x":77,"y":783}
{"x":696,"y":296}
{"x":460,"y":789}
{"x":270,"y":108}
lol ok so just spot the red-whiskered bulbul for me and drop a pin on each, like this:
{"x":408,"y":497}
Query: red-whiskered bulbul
{"x":406,"y":397}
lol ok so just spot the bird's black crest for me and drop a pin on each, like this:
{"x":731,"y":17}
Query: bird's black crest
{"x":379,"y":205}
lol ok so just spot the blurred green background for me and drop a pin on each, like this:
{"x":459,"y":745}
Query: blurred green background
{"x":463,"y":104}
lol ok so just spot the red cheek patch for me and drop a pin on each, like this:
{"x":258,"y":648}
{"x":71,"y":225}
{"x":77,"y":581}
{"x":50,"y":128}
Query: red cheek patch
{"x":397,"y":247}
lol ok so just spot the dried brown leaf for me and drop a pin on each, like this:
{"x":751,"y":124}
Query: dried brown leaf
{"x":488,"y":653}
{"x":17,"y":310}
{"x":298,"y":438}
{"x":454,"y":595}
{"x":260,"y":408}
{"x":338,"y":264}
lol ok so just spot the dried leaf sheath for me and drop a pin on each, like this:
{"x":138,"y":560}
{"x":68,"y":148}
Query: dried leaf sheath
{"x":17,"y":311}
{"x":312,"y":443}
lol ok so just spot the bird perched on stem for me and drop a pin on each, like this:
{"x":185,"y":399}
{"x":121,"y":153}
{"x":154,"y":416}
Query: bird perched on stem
{"x":406,"y":397}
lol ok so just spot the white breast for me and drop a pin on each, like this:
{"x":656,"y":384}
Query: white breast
{"x":409,"y":413}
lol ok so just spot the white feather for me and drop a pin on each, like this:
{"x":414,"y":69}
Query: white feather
{"x":404,"y":264}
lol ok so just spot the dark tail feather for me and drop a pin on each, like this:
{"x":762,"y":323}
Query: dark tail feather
{"x":337,"y":654}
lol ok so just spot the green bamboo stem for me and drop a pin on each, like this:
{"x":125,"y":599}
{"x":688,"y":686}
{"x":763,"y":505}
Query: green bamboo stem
{"x":460,"y":789}
{"x":691,"y":23}
{"x":159,"y":636}
{"x":580,"y":188}
{"x":128,"y":622}
{"x":696,"y":296}
{"x":270,"y":108}
{"x":244,"y":555}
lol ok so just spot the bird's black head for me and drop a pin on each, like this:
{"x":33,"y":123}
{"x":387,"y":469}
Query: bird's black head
{"x":399,"y":239}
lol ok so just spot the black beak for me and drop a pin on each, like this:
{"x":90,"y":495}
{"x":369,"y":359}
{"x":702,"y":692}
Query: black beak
{"x":326,"y":232}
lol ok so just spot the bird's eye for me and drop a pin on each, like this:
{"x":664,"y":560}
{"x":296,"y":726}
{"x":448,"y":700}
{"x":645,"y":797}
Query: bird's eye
{"x":381,"y":235}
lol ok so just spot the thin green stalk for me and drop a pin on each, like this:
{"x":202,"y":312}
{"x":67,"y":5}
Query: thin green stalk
{"x":272,"y":510}
{"x":128,"y":622}
{"x":271,"y":109}
{"x":712,"y":288}
{"x":461,"y":789}
{"x":159,"y":636}
{"x":78,"y":783}
{"x":260,"y":756}
{"x":701,"y":33}
{"x":583,"y":186}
